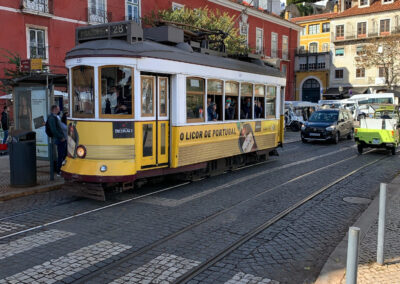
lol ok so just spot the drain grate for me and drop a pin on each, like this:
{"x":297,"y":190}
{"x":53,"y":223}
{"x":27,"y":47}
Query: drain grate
{"x":357,"y":200}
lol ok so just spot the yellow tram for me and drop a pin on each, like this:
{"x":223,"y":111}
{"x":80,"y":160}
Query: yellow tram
{"x":142,"y":107}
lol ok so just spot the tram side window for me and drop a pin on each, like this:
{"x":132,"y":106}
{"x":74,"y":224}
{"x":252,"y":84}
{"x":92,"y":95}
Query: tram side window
{"x":231,"y":100}
{"x":116,"y":90}
{"x":214,"y":100}
{"x":163,"y":95}
{"x":83,"y":91}
{"x":195,"y":99}
{"x":259,"y":100}
{"x":271,"y":101}
{"x":148,"y":87}
{"x":246,"y":97}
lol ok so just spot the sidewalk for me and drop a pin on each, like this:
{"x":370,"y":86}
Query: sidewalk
{"x":43,"y":181}
{"x":368,"y":270}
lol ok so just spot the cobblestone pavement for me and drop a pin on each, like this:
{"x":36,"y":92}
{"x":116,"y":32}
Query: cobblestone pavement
{"x":369,"y":271}
{"x":126,"y":243}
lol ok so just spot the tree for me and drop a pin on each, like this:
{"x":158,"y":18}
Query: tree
{"x":12,"y":70}
{"x":383,"y":52}
{"x":217,"y":26}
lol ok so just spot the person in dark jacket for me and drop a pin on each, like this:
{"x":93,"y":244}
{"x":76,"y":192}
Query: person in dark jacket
{"x":57,"y":136}
{"x":5,"y":123}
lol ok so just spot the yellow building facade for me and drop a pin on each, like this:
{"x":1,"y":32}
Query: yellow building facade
{"x":313,"y":57}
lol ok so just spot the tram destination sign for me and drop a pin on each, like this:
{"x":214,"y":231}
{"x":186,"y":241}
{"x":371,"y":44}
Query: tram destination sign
{"x":106,"y":31}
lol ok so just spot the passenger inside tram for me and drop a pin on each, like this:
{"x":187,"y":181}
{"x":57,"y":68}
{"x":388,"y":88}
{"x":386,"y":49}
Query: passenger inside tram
{"x":246,"y":108}
{"x":258,"y":109}
{"x":212,"y":114}
{"x":229,"y":109}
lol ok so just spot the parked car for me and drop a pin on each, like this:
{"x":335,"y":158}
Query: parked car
{"x":328,"y":125}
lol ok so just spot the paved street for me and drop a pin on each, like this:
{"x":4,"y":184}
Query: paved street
{"x":273,"y":222}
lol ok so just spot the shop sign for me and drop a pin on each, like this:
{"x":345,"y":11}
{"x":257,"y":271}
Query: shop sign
{"x":36,"y":64}
{"x":25,"y":65}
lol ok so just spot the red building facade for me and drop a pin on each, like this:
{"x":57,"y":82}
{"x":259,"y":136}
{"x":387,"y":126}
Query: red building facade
{"x":46,"y":28}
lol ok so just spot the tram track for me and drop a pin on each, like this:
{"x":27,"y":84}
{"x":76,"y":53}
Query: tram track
{"x":234,"y":182}
{"x":249,"y":235}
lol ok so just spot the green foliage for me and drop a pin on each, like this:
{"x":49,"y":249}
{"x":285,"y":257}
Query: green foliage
{"x":12,"y":71}
{"x":203,"y":19}
{"x":305,"y":10}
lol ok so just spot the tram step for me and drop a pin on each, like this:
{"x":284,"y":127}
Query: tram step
{"x":87,"y":190}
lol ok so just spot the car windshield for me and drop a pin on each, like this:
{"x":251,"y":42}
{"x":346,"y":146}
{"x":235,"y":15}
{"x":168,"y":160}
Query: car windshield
{"x":324,"y":116}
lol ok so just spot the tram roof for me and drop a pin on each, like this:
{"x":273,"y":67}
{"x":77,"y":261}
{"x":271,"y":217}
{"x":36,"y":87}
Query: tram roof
{"x":120,"y":48}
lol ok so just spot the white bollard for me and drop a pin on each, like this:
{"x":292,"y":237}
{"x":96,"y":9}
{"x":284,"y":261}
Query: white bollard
{"x":352,"y":255}
{"x":381,"y":225}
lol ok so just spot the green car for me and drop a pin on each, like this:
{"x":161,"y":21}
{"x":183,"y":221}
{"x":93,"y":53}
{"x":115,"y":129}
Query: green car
{"x":381,"y":131}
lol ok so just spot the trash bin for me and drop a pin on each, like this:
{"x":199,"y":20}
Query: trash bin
{"x":22,"y":154}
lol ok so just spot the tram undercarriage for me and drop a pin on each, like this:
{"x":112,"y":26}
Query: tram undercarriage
{"x":107,"y":190}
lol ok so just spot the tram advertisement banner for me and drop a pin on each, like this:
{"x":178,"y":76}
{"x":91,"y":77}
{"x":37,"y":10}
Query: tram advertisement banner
{"x":31,"y":113}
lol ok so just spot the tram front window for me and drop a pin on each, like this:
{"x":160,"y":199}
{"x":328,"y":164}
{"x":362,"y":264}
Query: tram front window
{"x":83,"y":91}
{"x":195,"y":100}
{"x":116,"y":90}
{"x":271,"y":101}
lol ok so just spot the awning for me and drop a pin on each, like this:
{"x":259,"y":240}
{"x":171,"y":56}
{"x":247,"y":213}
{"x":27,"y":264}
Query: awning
{"x":6,"y":97}
{"x":358,"y":90}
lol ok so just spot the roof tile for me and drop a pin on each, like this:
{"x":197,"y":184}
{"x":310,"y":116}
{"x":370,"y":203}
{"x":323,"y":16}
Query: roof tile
{"x":375,"y":7}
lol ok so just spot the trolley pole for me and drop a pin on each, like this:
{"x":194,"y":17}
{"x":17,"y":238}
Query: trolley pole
{"x":352,"y":255}
{"x":381,"y":225}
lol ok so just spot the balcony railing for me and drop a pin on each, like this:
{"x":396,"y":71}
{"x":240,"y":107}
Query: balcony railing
{"x":356,"y":36}
{"x":37,"y":6}
{"x":98,"y":16}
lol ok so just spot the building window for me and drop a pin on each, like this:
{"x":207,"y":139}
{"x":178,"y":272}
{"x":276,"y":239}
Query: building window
{"x":339,"y":51}
{"x":326,"y":27}
{"x":195,"y":99}
{"x":37,"y":5}
{"x":364,"y":3}
{"x":382,"y":72}
{"x":340,"y":31}
{"x":312,"y":66}
{"x":313,"y":29}
{"x":244,"y":30}
{"x":285,"y":47}
{"x":361,"y":29}
{"x":303,"y":31}
{"x":177,"y":6}
{"x":133,"y":10}
{"x":385,"y":26}
{"x":339,"y":74}
{"x":303,"y":66}
{"x":387,"y":1}
{"x":97,"y":11}
{"x":325,"y":47}
{"x":360,"y":73}
{"x":360,"y":50}
{"x":284,"y":69}
{"x":302,"y":49}
{"x":274,"y":45}
{"x":313,"y":48}
{"x":321,"y":65}
{"x":37,"y":43}
{"x":259,"y":41}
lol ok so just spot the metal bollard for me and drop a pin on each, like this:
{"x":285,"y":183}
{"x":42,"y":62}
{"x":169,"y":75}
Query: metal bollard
{"x":352,"y":255}
{"x":381,"y":225}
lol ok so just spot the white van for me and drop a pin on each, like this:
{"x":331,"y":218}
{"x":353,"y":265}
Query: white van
{"x":365,"y":100}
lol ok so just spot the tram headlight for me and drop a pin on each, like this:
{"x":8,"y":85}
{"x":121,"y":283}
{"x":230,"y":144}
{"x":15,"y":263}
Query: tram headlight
{"x":103,"y":168}
{"x":81,"y":151}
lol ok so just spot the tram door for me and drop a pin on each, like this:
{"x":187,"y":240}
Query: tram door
{"x":155,"y":134}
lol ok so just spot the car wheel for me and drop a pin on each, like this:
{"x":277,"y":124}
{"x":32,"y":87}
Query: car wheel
{"x":303,"y":139}
{"x":393,"y":150}
{"x":336,"y":138}
{"x":351,"y":134}
{"x":360,"y":149}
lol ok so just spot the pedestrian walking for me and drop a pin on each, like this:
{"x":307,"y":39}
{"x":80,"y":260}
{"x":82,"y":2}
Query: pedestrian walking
{"x":56,"y":133}
{"x":5,"y":123}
